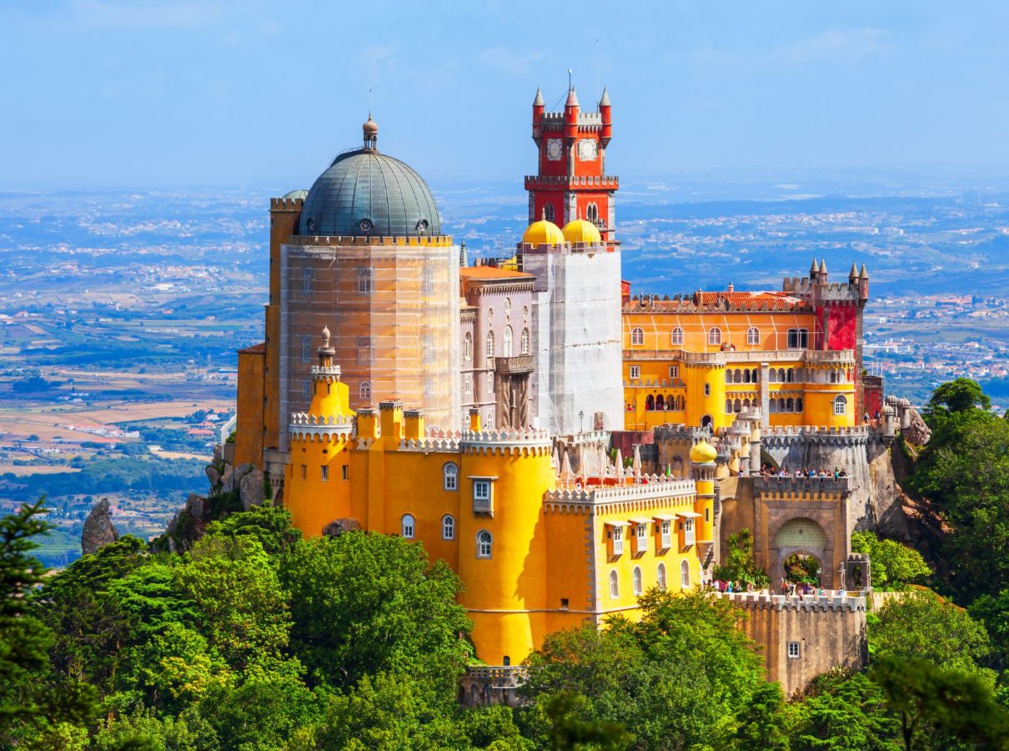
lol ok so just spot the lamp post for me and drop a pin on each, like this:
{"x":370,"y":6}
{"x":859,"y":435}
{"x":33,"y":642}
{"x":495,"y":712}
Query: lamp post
{"x":581,"y":421}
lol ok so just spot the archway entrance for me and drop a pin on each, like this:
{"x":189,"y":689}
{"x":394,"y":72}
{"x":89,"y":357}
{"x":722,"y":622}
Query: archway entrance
{"x":800,"y":552}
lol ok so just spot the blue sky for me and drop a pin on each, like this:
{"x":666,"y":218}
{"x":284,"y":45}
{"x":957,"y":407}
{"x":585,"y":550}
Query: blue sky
{"x":151,"y":93}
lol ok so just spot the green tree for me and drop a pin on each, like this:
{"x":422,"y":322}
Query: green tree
{"x":760,"y":722}
{"x":269,"y":524}
{"x":365,"y":603}
{"x":961,"y":395}
{"x":680,"y":678}
{"x":920,"y":626}
{"x":841,"y":712}
{"x":941,"y":708}
{"x":739,"y":564}
{"x":894,"y":565}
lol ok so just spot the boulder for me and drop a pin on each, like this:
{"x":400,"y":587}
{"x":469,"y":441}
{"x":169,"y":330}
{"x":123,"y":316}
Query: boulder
{"x":338,"y":526}
{"x":918,"y":432}
{"x":251,"y":487}
{"x":213,"y":475}
{"x":99,"y":530}
{"x":195,"y":505}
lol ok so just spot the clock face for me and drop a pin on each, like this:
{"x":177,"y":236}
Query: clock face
{"x":554,"y":149}
{"x":587,"y":150}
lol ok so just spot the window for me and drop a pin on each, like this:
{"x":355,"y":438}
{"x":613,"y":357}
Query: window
{"x":840,"y":405}
{"x":707,"y":389}
{"x":592,"y":213}
{"x":325,"y":473}
{"x":636,"y":577}
{"x":467,"y":347}
{"x":798,"y":338}
{"x":407,"y":526}
{"x":637,"y":337}
{"x":660,"y":577}
{"x":448,"y":527}
{"x":688,"y":532}
{"x":467,"y":386}
{"x":306,"y":280}
{"x":306,"y":349}
{"x":306,"y":390}
{"x":344,"y":469}
{"x":548,"y":212}
{"x":484,"y":542}
{"x":490,"y":349}
{"x":450,"y":477}
{"x":524,"y":342}
{"x":753,"y":336}
{"x":363,"y":350}
{"x":506,"y":340}
{"x":618,"y":540}
{"x":684,"y":575}
{"x":667,"y":536}
{"x":364,"y":390}
{"x":641,"y":541}
{"x":304,"y":471}
{"x":482,"y":500}
{"x":614,"y":585}
{"x":676,"y":338}
{"x":674,"y":372}
{"x":714,"y":335}
{"x":364,"y":281}
{"x":794,"y":650}
{"x":635,"y":372}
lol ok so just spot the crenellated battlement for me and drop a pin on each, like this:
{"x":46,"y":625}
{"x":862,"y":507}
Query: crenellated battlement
{"x":609,"y":182}
{"x":306,"y":426}
{"x":655,"y":487}
{"x":523,"y":442}
{"x":762,"y":601}
{"x":286,"y":204}
{"x":439,"y":241}
{"x":826,"y":292}
{"x":430,"y":445}
{"x":801,"y":486}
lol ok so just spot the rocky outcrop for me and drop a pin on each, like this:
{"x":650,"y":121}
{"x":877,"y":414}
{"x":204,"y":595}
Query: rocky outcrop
{"x":98,"y":529}
{"x":339,"y":526}
{"x":918,"y":432}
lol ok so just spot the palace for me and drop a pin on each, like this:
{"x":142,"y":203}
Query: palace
{"x":560,"y":443}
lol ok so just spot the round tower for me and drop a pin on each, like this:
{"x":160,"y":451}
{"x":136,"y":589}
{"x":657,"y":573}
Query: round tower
{"x":703,"y":467}
{"x":317,"y":490}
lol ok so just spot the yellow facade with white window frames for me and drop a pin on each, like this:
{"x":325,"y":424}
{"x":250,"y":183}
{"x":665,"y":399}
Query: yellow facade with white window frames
{"x":533,"y":545}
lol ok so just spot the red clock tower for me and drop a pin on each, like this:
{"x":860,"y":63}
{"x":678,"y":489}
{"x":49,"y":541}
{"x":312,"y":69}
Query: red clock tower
{"x":572,"y":182}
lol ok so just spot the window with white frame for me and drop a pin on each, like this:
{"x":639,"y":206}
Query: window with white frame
{"x":483,"y":500}
{"x":407,"y":526}
{"x":688,"y":531}
{"x":467,"y":347}
{"x":614,"y":585}
{"x":674,"y":372}
{"x":364,"y":390}
{"x":484,"y":541}
{"x":714,"y":335}
{"x":634,"y":372}
{"x":450,"y":476}
{"x":676,"y":337}
{"x":798,"y":338}
{"x":794,"y":650}
{"x":641,"y":541}
{"x":638,"y":583}
{"x":660,"y":577}
{"x":684,"y":575}
{"x":753,"y":336}
{"x":364,"y":285}
{"x":524,"y":342}
{"x":840,"y":405}
{"x":617,"y":540}
{"x":506,"y":342}
{"x":448,"y":527}
{"x":490,"y":349}
{"x":637,"y":337}
{"x":667,"y":534}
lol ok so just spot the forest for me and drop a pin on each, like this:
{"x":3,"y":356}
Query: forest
{"x":255,"y":638}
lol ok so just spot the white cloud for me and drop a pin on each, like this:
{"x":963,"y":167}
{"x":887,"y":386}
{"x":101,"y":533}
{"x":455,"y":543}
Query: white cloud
{"x":835,"y":46}
{"x":379,"y":62}
{"x":509,"y":61}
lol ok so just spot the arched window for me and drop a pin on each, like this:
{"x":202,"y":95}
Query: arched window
{"x":467,"y":347}
{"x":548,"y":212}
{"x":737,"y":406}
{"x":685,"y":575}
{"x":676,"y":338}
{"x":661,"y":577}
{"x":728,"y":406}
{"x":637,"y":337}
{"x":614,"y":585}
{"x":660,"y":403}
{"x":755,"y":376}
{"x":490,"y":349}
{"x":773,"y":406}
{"x":638,"y":586}
{"x":650,"y":402}
{"x":448,"y":527}
{"x":840,"y":405}
{"x":407,"y":526}
{"x":483,"y":544}
{"x":364,"y":390}
{"x":592,"y":213}
{"x":790,"y":404}
{"x":746,"y":376}
{"x":753,"y":336}
{"x":524,"y":342}
{"x":790,"y":375}
{"x":798,"y":404}
{"x":781,"y":405}
{"x":714,"y":335}
{"x":728,"y":376}
{"x":781,"y":375}
{"x":746,"y":403}
{"x":506,"y":341}
{"x":772,"y":376}
{"x":737,"y":376}
{"x":450,"y":476}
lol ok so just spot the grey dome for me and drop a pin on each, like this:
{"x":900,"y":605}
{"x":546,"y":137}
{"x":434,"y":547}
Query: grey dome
{"x":365,"y":192}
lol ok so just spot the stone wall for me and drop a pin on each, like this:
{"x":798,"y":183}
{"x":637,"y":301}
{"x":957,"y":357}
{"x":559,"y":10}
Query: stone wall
{"x":825,"y":632}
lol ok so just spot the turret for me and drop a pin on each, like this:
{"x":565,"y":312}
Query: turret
{"x":863,"y":284}
{"x":822,"y":273}
{"x":853,"y":275}
{"x":604,"y":112}
{"x":571,"y":110}
{"x":539,"y":107}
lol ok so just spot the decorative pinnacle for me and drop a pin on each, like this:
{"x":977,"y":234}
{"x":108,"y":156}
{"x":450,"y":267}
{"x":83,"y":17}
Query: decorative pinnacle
{"x":538,"y":101}
{"x":812,"y":269}
{"x":823,"y":265}
{"x":604,"y":101}
{"x":853,"y":274}
{"x":863,"y":274}
{"x":325,"y":336}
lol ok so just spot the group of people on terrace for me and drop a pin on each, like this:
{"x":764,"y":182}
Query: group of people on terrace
{"x":787,"y":588}
{"x":768,"y":470}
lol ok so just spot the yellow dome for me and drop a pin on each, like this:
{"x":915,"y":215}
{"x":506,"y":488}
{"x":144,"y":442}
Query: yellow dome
{"x":703,"y":453}
{"x":582,"y":231}
{"x":543,"y":232}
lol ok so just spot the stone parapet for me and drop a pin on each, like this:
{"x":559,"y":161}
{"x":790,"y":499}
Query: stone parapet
{"x":776,"y":484}
{"x":656,"y":488}
{"x":761,"y":601}
{"x":505,"y":441}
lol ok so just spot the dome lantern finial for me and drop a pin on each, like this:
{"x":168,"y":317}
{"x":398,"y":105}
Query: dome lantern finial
{"x":370,"y":129}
